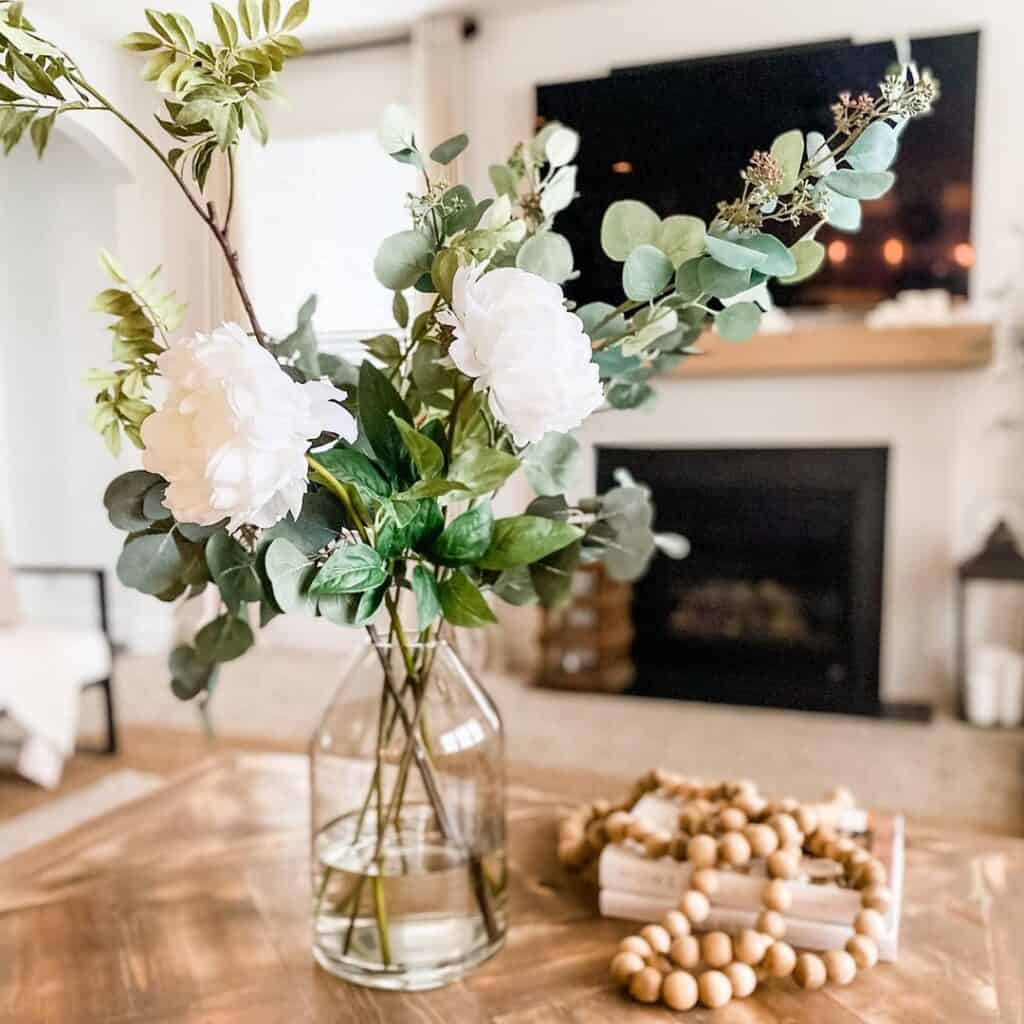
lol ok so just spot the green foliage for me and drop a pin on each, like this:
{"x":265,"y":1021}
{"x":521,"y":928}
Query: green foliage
{"x":646,"y":273}
{"x":483,"y":470}
{"x":467,"y":538}
{"x":808,"y":254}
{"x":290,"y":573}
{"x":788,"y":150}
{"x":450,"y":149}
{"x":462,"y":602}
{"x":125,"y":500}
{"x":428,"y":598}
{"x":144,"y":315}
{"x":628,"y":224}
{"x":738,"y":322}
{"x":350,"y":569}
{"x":861,"y":184}
{"x":234,"y":571}
{"x":151,"y":563}
{"x":552,"y":463}
{"x":548,"y":255}
{"x":521,"y":540}
{"x":403,"y":259}
{"x":379,"y":406}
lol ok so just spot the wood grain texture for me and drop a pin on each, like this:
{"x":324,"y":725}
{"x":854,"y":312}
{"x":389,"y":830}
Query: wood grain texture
{"x":190,"y":907}
{"x":844,"y":348}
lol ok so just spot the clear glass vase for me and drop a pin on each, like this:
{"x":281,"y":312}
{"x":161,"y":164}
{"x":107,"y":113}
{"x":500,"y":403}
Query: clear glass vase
{"x":408,"y":790}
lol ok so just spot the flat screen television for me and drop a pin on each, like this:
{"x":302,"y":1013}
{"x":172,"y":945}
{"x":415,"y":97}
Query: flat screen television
{"x":677,"y":135}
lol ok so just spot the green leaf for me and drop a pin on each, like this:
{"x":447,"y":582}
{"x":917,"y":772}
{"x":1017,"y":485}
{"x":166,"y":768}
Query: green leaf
{"x":140,"y":42}
{"x":521,"y":540}
{"x":225,"y":639}
{"x":734,"y":254}
{"x":467,"y":538}
{"x":428,"y":376}
{"x":233,"y":570}
{"x":596,"y":322}
{"x":320,"y":522}
{"x":428,"y":599}
{"x":627,"y":224}
{"x":190,"y":674}
{"x":859,"y":184}
{"x":290,"y":572}
{"x":150,"y":564}
{"x":504,"y":180}
{"x":809,"y":255}
{"x":124,"y":500}
{"x":33,"y":75}
{"x":875,"y":148}
{"x":301,"y":345}
{"x":443,"y":269}
{"x":378,"y":402}
{"x":722,"y":282}
{"x":402,"y":259}
{"x":227,"y":27}
{"x":551,"y":463}
{"x":788,"y":150}
{"x":153,"y":507}
{"x":249,"y":17}
{"x":400,"y":310}
{"x":483,"y":470}
{"x":646,"y":273}
{"x":433,"y":489}
{"x":462,"y":602}
{"x":351,"y":569}
{"x":296,"y":15}
{"x":271,"y":14}
{"x":427,"y":457}
{"x":515,"y":587}
{"x":27,"y":42}
{"x":548,"y":254}
{"x":552,"y":576}
{"x":448,"y":150}
{"x":843,"y":213}
{"x":688,"y":280}
{"x":351,"y":609}
{"x":779,"y":261}
{"x":738,"y":322}
{"x":681,"y":238}
{"x":352,"y":467}
{"x":395,"y":131}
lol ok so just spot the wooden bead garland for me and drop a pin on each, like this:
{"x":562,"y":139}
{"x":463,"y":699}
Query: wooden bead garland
{"x":724,"y":826}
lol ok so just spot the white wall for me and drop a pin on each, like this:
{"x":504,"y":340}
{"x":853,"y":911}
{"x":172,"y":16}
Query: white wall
{"x":931,"y":421}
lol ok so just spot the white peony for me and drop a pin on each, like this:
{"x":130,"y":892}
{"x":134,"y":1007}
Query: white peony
{"x":515,"y":337}
{"x":232,"y":434}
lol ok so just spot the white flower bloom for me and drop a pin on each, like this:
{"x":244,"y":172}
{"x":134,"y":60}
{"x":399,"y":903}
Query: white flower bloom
{"x":514,"y":335}
{"x":232,"y":434}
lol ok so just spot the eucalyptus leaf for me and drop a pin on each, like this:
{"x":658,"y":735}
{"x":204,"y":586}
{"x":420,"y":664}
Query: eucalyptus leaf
{"x":809,"y":255}
{"x":600,"y":321}
{"x":788,"y":150}
{"x":874,"y":149}
{"x":190,"y":674}
{"x":819,"y":155}
{"x":844,"y":213}
{"x":125,"y":498}
{"x":561,"y":146}
{"x":627,"y":224}
{"x":290,"y":573}
{"x":552,"y":463}
{"x":721,"y":281}
{"x":462,"y":602}
{"x":402,"y":259}
{"x":681,"y":238}
{"x":515,"y":587}
{"x":779,"y":261}
{"x":396,"y":128}
{"x":150,"y":564}
{"x":646,"y":273}
{"x":548,"y":255}
{"x":559,"y":192}
{"x":225,"y":639}
{"x":732,"y":253}
{"x":861,"y":184}
{"x":521,"y":540}
{"x":552,"y":576}
{"x":448,"y":150}
{"x":233,"y":570}
{"x":738,"y":322}
{"x":688,"y":286}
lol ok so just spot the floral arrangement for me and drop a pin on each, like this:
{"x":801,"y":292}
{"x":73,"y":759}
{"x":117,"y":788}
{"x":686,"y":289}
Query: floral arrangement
{"x":294,"y":482}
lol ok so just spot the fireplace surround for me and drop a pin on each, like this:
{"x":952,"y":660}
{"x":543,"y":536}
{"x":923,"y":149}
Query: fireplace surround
{"x":780,"y":602}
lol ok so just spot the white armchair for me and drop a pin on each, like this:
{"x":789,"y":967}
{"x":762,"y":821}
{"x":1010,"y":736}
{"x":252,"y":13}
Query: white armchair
{"x":44,"y":668}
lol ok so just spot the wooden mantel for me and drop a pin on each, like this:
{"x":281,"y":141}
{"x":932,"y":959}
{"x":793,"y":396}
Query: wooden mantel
{"x":845,"y":348}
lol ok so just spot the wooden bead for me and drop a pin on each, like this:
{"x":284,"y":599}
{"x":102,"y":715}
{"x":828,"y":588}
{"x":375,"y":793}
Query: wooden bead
{"x":695,"y":906}
{"x":715,"y":989}
{"x":863,"y":950}
{"x":691,"y":820}
{"x":732,"y":819}
{"x":573,"y":852}
{"x":676,"y":923}
{"x":809,"y":972}
{"x":782,"y":864}
{"x":677,"y":848}
{"x":776,"y":895}
{"x":656,"y":937}
{"x":786,"y":829}
{"x":716,"y":949}
{"x":840,"y":967}
{"x":600,"y":808}
{"x":749,"y":947}
{"x":679,"y":991}
{"x":806,"y":819}
{"x":842,"y":796}
{"x":656,"y":844}
{"x":660,"y":963}
{"x":637,"y":830}
{"x":596,"y":835}
{"x":702,"y":851}
{"x":685,"y":951}
{"x":617,"y":825}
{"x":624,"y":966}
{"x":743,"y":979}
{"x":734,"y":850}
{"x":871,"y":873}
{"x":779,"y":960}
{"x":820,"y":840}
{"x":634,"y":944}
{"x":763,"y":840}
{"x":870,"y":923}
{"x":876,"y":897}
{"x":706,"y":880}
{"x":751,"y":806}
{"x":645,"y":985}
{"x":771,"y":922}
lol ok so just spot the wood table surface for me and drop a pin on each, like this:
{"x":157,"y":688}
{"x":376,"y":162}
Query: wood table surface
{"x":190,"y":906}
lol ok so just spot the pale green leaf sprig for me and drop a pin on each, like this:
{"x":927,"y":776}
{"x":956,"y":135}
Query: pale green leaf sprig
{"x":144,"y":317}
{"x":214,"y":90}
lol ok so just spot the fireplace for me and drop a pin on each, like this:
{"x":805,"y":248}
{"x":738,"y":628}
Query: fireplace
{"x":780,"y":602}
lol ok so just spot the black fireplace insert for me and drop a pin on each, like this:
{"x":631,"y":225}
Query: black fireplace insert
{"x":779,"y":603}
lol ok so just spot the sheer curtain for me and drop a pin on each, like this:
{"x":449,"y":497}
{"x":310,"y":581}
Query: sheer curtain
{"x":314,"y":204}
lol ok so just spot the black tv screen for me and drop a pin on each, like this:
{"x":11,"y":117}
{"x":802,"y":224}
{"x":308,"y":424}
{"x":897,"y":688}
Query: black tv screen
{"x":677,"y":135}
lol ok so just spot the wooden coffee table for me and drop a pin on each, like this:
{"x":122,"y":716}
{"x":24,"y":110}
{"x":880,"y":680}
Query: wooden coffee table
{"x":191,"y":906}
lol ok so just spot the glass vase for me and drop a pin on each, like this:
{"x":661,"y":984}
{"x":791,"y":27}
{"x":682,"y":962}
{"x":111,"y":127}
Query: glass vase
{"x":408,"y":792}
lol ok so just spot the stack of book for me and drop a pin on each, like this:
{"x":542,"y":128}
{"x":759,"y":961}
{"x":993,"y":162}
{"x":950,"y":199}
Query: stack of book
{"x":635,"y":887}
